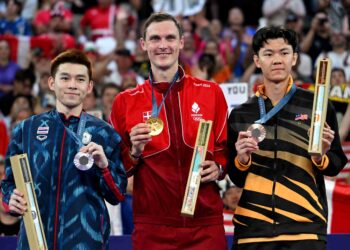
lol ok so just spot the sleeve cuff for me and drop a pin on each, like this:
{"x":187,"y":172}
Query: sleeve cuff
{"x":241,"y":166}
{"x":324,"y":163}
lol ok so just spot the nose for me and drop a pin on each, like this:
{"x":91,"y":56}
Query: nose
{"x":162,"y":44}
{"x":276,"y":59}
{"x":72,"y":84}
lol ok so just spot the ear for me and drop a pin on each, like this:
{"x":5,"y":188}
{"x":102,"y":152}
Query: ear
{"x":256,"y":61}
{"x":182,"y":42}
{"x":143,"y":44}
{"x":51,"y":83}
{"x":295,"y":58}
{"x":90,"y":86}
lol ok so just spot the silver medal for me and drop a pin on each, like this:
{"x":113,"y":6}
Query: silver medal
{"x":83,"y":161}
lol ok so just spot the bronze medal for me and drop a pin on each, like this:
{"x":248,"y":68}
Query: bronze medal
{"x":156,"y":125}
{"x":258,"y":132}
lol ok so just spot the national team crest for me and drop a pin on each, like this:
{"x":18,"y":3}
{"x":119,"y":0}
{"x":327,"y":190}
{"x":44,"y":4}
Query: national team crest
{"x":146,"y":115}
{"x":42,"y":131}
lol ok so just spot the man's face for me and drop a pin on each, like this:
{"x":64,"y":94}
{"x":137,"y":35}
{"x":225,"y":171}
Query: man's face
{"x":71,"y":84}
{"x":337,"y":77}
{"x":4,"y":50}
{"x":276,"y":59}
{"x":108,"y":97}
{"x":163,"y":44}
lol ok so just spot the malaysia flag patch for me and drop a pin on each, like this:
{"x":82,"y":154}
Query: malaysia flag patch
{"x":301,"y":117}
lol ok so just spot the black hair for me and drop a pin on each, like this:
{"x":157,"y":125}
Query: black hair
{"x":266,"y":33}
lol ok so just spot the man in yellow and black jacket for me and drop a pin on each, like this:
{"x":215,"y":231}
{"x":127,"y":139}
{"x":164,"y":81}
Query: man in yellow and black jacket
{"x":283,"y":204}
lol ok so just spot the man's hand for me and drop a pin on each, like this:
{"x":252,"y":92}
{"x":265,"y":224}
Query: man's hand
{"x":245,"y":145}
{"x":97,"y":153}
{"x":17,"y":203}
{"x":139,"y":136}
{"x":327,"y":139}
{"x":209,"y":171}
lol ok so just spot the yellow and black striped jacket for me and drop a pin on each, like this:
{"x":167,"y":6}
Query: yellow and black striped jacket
{"x":284,"y":194}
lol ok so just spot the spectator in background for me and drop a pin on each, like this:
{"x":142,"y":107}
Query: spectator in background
{"x":23,"y":84}
{"x":22,"y":108}
{"x":13,"y":23}
{"x":122,"y":67}
{"x":189,"y":54}
{"x":339,"y":53}
{"x":48,"y":9}
{"x":91,"y":104}
{"x":45,"y":98}
{"x":240,"y":57}
{"x":317,"y":39}
{"x":108,"y":93}
{"x":222,"y":71}
{"x":98,"y":21}
{"x":303,"y":70}
{"x":335,"y":12}
{"x":344,"y":128}
{"x":205,"y":67}
{"x":29,"y":9}
{"x":276,"y":11}
{"x":91,"y":100}
{"x":346,"y":18}
{"x":129,"y":81}
{"x":8,"y":68}
{"x":338,"y":78}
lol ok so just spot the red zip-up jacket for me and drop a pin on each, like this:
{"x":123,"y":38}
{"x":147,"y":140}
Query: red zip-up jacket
{"x":160,"y":177}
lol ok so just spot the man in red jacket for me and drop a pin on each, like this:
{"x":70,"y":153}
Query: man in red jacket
{"x":161,"y":163}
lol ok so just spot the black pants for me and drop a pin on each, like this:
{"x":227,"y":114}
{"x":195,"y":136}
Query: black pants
{"x":283,"y":245}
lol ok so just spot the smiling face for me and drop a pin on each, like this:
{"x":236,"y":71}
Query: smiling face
{"x":276,"y":59}
{"x":163,"y":44}
{"x":71,"y":84}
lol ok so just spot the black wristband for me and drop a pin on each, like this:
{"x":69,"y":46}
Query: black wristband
{"x":134,"y":156}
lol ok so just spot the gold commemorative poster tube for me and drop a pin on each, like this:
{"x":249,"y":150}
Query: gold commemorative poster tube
{"x":319,"y":110}
{"x":32,"y":220}
{"x":194,"y":178}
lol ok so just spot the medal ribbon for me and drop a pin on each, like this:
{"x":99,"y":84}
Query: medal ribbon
{"x":77,"y":137}
{"x":265,"y":117}
{"x":155,"y":108}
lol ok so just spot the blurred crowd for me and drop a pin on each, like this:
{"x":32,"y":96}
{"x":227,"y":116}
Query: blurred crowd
{"x":218,"y":47}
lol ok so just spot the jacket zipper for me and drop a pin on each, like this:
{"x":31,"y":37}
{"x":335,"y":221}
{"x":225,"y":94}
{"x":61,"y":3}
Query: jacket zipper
{"x":274,"y":179}
{"x":58,"y":191}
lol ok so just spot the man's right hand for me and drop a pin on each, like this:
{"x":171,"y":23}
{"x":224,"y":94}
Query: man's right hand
{"x":139,"y":136}
{"x":245,"y":145}
{"x":17,"y":202}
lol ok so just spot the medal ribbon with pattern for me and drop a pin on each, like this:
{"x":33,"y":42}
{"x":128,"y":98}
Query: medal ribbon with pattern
{"x":257,"y":129}
{"x":155,"y":122}
{"x":82,"y":161}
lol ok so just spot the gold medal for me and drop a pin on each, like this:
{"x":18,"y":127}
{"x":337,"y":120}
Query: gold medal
{"x":156,"y":125}
{"x":258,"y":132}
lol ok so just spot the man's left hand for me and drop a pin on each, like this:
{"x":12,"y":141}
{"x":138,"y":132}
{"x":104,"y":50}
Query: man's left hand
{"x":209,"y":172}
{"x":97,"y":153}
{"x":327,"y":139}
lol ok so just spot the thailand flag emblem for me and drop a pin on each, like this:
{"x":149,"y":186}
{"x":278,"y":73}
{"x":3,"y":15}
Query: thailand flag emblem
{"x":42,"y":132}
